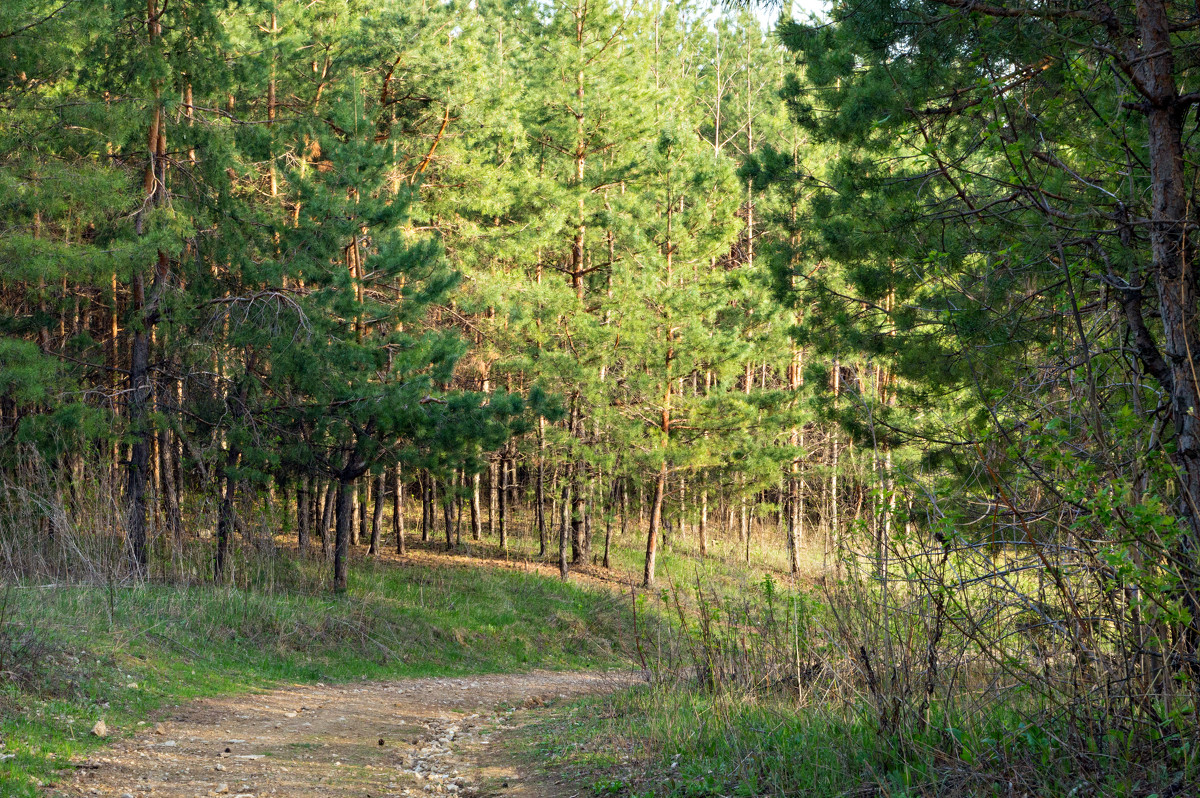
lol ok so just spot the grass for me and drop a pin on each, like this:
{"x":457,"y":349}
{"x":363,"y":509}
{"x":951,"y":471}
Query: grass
{"x":724,"y":568}
{"x":829,"y":732}
{"x":664,"y":741}
{"x":72,"y":655}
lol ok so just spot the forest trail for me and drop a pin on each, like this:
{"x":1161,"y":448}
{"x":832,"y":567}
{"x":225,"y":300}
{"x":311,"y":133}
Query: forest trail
{"x":440,"y":736}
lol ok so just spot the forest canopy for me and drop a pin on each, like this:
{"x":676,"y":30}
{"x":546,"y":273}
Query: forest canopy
{"x":909,"y":286}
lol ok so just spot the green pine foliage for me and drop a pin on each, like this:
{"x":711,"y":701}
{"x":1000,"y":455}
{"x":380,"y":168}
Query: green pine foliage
{"x":905,"y":291}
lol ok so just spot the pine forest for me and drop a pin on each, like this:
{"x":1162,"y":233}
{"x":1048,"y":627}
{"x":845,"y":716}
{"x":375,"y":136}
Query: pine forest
{"x":599,"y":398}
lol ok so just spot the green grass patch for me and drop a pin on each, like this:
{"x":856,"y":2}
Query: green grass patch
{"x":667,"y":741}
{"x":71,"y":655}
{"x":674,"y":741}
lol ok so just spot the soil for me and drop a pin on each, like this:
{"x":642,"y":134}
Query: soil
{"x":415,"y":737}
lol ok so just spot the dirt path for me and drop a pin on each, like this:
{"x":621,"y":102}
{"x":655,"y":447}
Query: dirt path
{"x":417,"y":737}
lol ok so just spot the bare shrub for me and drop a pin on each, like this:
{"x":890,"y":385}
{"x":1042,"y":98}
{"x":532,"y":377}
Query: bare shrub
{"x":65,"y":523}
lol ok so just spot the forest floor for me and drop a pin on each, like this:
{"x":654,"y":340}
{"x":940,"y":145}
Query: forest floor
{"x":79,"y":653}
{"x":411,"y":737}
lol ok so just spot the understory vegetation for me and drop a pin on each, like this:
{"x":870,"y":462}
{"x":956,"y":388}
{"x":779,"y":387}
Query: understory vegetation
{"x":785,"y":691}
{"x":838,"y":371}
{"x":73,"y":655}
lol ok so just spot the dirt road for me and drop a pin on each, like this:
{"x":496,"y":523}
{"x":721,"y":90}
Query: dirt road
{"x":418,"y":737}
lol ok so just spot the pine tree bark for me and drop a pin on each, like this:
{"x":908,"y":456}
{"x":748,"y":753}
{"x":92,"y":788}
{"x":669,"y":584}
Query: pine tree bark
{"x":624,"y":506}
{"x":748,"y":517}
{"x":303,"y":489}
{"x":460,"y":481}
{"x":540,"y":498}
{"x":426,"y":505}
{"x":398,"y":508}
{"x":835,"y":532}
{"x":169,"y":495}
{"x":743,"y":514}
{"x":377,"y":518}
{"x":656,"y":509}
{"x":683,"y":508}
{"x":448,"y":511}
{"x":476,"y":513}
{"x":113,"y":363}
{"x":145,"y":310}
{"x":578,"y":546}
{"x":282,"y":501}
{"x":347,"y":478}
{"x":608,"y":516}
{"x":345,"y":521}
{"x":315,"y":492}
{"x":225,"y":518}
{"x":493,"y":500}
{"x":318,"y":512}
{"x":328,"y":511}
{"x":362,"y":504}
{"x":502,"y":516}
{"x":514,"y":484}
{"x":1175,"y":277}
{"x":139,"y":451}
{"x":564,"y":525}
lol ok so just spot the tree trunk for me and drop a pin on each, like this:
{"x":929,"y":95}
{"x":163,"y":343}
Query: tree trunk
{"x":139,"y":452}
{"x":589,"y":507}
{"x":683,"y":508}
{"x":362,"y":506}
{"x":377,"y":519}
{"x":578,"y":544}
{"x":749,"y":519}
{"x":113,"y":362}
{"x":835,"y":531}
{"x":793,"y":526}
{"x":318,"y":502}
{"x":460,"y":481}
{"x":345,"y":520}
{"x":448,"y":511}
{"x":1174,"y":266}
{"x":177,"y":460}
{"x":608,"y":516}
{"x":502,"y":499}
{"x":660,"y":485}
{"x":327,"y":520}
{"x":170,"y":488}
{"x":540,"y":498}
{"x":303,"y":488}
{"x":315,"y":494}
{"x":146,"y":315}
{"x":624,"y":506}
{"x":426,"y":505}
{"x":225,"y":519}
{"x":281,"y":501}
{"x":607,"y":539}
{"x":514,"y":484}
{"x":554,"y":512}
{"x":476,"y":514}
{"x":564,"y":505}
{"x":493,"y":482}
{"x":398,"y":508}
{"x":744,"y":516}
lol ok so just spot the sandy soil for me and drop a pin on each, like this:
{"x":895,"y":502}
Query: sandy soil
{"x":417,"y":737}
